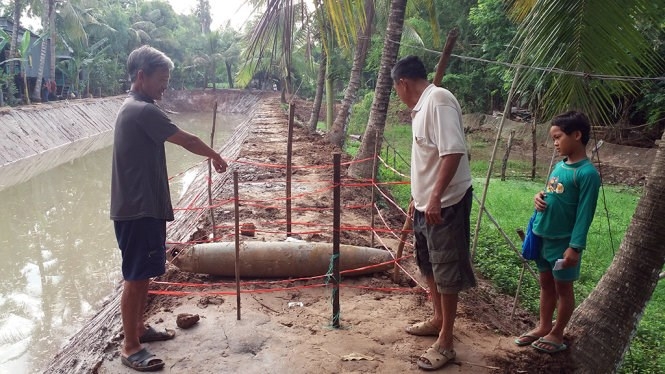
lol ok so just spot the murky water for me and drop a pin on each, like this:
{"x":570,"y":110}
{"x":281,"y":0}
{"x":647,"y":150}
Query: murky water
{"x":58,"y":254}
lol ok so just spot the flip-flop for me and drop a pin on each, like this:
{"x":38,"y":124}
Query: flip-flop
{"x":552,"y":347}
{"x":143,"y":361}
{"x":423,"y":329}
{"x":526,"y":339}
{"x":152,"y":335}
{"x":435,"y":358}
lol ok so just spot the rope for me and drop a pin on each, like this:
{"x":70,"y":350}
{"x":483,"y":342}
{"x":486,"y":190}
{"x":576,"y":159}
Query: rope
{"x":580,"y":74}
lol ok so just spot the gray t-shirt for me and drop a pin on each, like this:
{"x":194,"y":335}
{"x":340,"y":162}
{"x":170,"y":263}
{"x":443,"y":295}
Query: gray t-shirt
{"x":139,"y":180}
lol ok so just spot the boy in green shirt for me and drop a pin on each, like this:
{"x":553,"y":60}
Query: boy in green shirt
{"x":564,"y":213}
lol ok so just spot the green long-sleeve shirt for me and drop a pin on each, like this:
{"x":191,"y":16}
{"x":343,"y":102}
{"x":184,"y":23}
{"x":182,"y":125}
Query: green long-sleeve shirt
{"x":571,"y":196}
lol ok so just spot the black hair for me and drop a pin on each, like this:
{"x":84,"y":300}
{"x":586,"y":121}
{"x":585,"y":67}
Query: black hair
{"x":148,"y":59}
{"x":572,"y":121}
{"x":409,"y":67}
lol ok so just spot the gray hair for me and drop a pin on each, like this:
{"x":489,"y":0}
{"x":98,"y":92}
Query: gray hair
{"x":148,"y":59}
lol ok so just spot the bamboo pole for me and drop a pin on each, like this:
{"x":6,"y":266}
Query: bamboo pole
{"x":505,"y":236}
{"x":212,"y":145}
{"x":408,"y":225}
{"x":506,"y":113}
{"x":520,"y":233}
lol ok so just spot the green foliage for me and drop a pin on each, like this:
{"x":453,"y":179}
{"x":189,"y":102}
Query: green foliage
{"x":360,"y":113}
{"x":587,"y":37}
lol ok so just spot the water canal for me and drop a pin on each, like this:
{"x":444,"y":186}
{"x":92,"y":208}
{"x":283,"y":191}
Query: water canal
{"x":59,"y":258}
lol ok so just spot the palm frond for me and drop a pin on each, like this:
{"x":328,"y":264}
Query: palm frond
{"x":593,"y":37}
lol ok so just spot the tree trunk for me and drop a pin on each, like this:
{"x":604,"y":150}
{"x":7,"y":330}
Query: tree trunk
{"x":337,"y":134}
{"x":51,"y":25}
{"x":13,"y":44}
{"x":318,"y":98}
{"x":39,"y":87}
{"x":330,"y":96}
{"x":214,"y":75}
{"x":229,"y":74}
{"x":606,"y":321}
{"x":384,"y":83}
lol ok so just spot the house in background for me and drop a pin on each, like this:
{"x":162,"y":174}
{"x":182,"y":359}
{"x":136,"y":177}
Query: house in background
{"x":7,"y":24}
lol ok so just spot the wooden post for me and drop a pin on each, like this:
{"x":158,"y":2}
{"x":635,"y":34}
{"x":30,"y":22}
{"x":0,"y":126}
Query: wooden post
{"x":237,"y":257}
{"x":289,"y":150}
{"x":534,"y":147}
{"x":371,"y":207}
{"x":212,"y":145}
{"x":445,"y":56}
{"x":337,"y":157}
{"x":504,"y":162}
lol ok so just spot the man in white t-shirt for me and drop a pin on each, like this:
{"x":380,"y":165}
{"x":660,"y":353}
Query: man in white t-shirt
{"x":441,"y":206}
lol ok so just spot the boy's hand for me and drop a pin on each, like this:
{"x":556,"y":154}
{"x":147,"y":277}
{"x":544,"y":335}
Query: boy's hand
{"x":411,"y":208}
{"x":539,"y":201}
{"x":570,"y":258}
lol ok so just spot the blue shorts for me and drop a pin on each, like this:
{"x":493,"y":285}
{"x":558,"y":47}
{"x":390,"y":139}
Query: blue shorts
{"x":142,"y":243}
{"x":552,"y":250}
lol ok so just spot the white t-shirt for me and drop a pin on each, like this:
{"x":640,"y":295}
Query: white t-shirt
{"x":437,"y":131}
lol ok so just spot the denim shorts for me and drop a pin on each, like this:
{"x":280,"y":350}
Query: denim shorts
{"x":442,"y":250}
{"x":142,"y":243}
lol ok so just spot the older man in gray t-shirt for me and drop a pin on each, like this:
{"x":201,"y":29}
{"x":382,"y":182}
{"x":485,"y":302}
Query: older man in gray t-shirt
{"x":140,"y":198}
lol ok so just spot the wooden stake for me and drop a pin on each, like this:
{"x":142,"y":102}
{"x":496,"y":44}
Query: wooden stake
{"x":237,"y":257}
{"x":445,"y":56}
{"x":371,"y":205}
{"x":337,"y":157}
{"x":289,"y":151}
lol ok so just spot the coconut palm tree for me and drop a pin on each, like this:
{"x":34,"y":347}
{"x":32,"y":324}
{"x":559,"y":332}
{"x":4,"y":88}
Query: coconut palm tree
{"x":337,"y":133}
{"x":318,"y":97}
{"x":13,"y":44}
{"x":377,"y":117}
{"x":48,"y":8}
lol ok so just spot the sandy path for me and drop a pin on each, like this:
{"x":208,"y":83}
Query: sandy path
{"x":272,"y":337}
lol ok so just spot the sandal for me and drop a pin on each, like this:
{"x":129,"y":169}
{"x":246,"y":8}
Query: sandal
{"x":526,"y":339}
{"x":423,"y":329}
{"x":549,"y":346}
{"x":143,"y":361}
{"x":435,"y":358}
{"x":152,"y":335}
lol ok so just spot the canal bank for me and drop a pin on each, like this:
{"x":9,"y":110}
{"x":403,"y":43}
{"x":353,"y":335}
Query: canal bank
{"x":59,"y":257}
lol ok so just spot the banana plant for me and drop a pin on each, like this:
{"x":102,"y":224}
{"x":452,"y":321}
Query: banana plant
{"x":23,"y":57}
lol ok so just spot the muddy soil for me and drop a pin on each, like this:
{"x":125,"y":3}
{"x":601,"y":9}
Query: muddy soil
{"x":285,"y":325}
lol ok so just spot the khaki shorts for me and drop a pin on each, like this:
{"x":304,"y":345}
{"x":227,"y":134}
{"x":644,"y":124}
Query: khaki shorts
{"x":442,"y":250}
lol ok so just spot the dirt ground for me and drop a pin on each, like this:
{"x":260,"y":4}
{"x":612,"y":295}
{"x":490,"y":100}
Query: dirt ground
{"x":285,"y":327}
